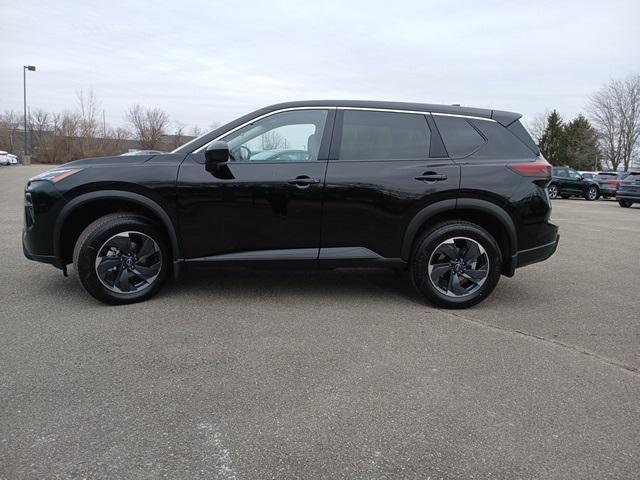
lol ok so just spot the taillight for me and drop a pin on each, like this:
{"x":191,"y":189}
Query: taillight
{"x":614,"y":183}
{"x":539,"y":168}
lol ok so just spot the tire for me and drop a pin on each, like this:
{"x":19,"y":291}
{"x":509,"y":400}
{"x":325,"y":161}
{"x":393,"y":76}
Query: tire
{"x":554,"y":191}
{"x":624,"y":203}
{"x":121,"y":258}
{"x":593,"y":193}
{"x":437,"y":257}
{"x":565,"y":197}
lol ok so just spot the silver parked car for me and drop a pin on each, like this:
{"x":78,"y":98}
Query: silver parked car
{"x":609,"y":182}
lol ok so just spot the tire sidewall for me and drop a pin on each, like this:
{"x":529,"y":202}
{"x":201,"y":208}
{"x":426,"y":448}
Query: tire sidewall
{"x":427,"y":244}
{"x":86,"y":257}
{"x":597,"y":196}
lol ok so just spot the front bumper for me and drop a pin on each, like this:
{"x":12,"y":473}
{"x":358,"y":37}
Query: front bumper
{"x":42,"y":206}
{"x":50,"y":259}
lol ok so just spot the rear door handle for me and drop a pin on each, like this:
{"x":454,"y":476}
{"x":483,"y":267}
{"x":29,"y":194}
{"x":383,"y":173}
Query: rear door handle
{"x":303,"y":181}
{"x":431,"y":177}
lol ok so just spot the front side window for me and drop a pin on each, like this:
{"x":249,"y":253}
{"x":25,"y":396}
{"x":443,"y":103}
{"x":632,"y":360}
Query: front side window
{"x":574,"y":175}
{"x":293,"y":136}
{"x":368,"y":135}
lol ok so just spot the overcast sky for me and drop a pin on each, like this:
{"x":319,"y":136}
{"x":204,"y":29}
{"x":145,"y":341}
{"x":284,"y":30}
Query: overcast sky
{"x":207,"y":61}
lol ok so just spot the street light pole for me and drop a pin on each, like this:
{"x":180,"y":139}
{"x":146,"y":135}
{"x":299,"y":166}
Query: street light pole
{"x":31,"y":68}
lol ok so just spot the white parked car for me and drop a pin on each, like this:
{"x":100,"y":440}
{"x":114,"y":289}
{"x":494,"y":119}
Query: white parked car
{"x":7,"y":158}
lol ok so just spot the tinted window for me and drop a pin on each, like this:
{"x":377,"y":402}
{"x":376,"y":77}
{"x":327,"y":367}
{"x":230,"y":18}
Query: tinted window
{"x":519,"y":131}
{"x":501,"y":143}
{"x":384,"y":136}
{"x":460,"y":138}
{"x":561,"y":172}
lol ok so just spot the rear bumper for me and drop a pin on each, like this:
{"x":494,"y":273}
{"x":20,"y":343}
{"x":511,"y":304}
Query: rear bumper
{"x":536,"y":254}
{"x":633,"y":197}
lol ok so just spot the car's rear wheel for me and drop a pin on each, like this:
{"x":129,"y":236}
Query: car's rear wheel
{"x":593,"y":193}
{"x":553,"y":191}
{"x":121,"y":258}
{"x":624,"y":203}
{"x":456,"y":264}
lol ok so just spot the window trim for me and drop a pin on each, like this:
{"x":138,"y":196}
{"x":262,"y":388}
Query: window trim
{"x":335,"y":108}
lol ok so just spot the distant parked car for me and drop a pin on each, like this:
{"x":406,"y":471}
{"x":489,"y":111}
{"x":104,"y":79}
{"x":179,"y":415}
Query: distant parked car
{"x":143,"y":152}
{"x":7,"y":158}
{"x":609,"y":182}
{"x":629,"y":190}
{"x":567,"y":182}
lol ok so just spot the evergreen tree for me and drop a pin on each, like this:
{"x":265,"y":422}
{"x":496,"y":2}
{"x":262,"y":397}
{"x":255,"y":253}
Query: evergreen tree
{"x":581,"y":144}
{"x":553,"y":143}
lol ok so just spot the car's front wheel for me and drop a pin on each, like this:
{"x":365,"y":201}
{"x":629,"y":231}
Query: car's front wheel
{"x":456,"y":264}
{"x":624,"y":203}
{"x":121,"y":258}
{"x":593,"y":193}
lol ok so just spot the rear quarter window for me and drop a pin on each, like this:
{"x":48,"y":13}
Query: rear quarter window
{"x":460,"y":138}
{"x":501,"y":143}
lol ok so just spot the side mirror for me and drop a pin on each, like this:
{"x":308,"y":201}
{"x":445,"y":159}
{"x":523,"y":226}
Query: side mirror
{"x":215,"y":154}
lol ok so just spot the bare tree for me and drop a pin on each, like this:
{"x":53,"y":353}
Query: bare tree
{"x":148,"y":124}
{"x":10,"y":123}
{"x":39,"y":125}
{"x":196,"y":131}
{"x":537,"y":125}
{"x":178,"y":137}
{"x":272,"y":140}
{"x":89,"y":125}
{"x":615,"y":113}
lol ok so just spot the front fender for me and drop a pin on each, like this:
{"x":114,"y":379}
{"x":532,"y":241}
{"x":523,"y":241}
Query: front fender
{"x":132,"y":197}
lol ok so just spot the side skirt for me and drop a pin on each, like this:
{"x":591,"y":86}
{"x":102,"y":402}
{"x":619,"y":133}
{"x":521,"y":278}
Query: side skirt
{"x":334,"y":257}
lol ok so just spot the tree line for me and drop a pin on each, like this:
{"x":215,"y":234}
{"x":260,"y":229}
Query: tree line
{"x":58,"y":137}
{"x":607,"y":138}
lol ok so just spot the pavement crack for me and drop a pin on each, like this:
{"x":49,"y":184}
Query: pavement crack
{"x":557,"y":343}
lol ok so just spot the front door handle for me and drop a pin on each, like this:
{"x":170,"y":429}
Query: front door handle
{"x":303,"y":181}
{"x":431,"y":177}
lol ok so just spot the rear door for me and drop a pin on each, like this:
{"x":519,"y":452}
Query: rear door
{"x":384,"y":167}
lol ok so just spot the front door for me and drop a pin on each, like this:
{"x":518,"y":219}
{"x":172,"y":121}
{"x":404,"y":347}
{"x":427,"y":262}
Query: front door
{"x":265,"y":205}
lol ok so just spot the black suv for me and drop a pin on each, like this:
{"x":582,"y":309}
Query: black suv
{"x":455,"y":195}
{"x":567,"y":182}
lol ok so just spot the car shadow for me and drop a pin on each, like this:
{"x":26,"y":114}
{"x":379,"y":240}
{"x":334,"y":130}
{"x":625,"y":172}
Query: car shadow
{"x":352,"y":282}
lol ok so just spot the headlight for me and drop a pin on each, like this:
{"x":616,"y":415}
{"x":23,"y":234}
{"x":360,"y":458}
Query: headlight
{"x":57,"y":174}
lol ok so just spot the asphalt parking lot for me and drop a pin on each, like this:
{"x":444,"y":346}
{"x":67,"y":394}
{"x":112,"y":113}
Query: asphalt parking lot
{"x":340,"y":374}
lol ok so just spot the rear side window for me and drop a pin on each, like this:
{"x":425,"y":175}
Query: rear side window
{"x":459,"y":137}
{"x":370,"y":135}
{"x":501,"y":143}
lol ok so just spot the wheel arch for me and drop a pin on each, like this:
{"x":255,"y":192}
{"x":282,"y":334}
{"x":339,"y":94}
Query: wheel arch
{"x":486,"y":214}
{"x":85,"y":208}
